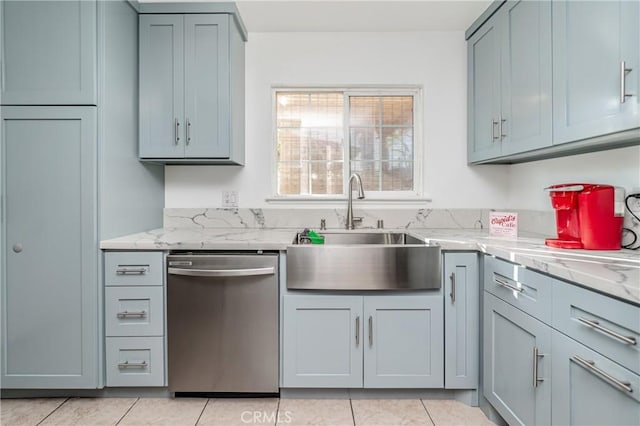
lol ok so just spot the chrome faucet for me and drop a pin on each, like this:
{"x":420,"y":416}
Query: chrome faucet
{"x":350,"y":219}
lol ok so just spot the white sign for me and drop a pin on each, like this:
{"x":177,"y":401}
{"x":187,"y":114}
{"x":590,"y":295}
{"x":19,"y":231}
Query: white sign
{"x":503,"y":224}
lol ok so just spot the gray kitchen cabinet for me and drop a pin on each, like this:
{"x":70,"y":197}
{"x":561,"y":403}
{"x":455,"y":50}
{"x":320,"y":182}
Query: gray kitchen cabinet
{"x":461,"y":320}
{"x":483,"y":61}
{"x":71,"y":177}
{"x":50,"y":289}
{"x":589,"y":388}
{"x":323,"y":338}
{"x":593,"y":43}
{"x":404,"y":342}
{"x":49,"y":51}
{"x":516,"y":363}
{"x":509,"y":81}
{"x":134,"y":319}
{"x":353,"y":341}
{"x":192,"y":89}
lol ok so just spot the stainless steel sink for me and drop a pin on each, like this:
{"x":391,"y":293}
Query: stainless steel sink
{"x":363,"y":261}
{"x":364,"y":238}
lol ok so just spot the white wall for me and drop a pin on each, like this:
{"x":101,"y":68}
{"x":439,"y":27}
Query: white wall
{"x":619,"y":167}
{"x":435,"y":60}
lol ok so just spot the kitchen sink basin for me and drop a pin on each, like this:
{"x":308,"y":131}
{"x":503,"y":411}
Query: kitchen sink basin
{"x":363,"y":261}
{"x":364,"y":238}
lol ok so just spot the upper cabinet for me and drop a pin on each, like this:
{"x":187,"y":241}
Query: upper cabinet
{"x":509,"y":60}
{"x":596,"y":75}
{"x":191,"y":89}
{"x":49,"y":52}
{"x":592,"y":63}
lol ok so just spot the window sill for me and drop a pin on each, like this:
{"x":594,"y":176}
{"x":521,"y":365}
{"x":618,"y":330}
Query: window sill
{"x":341,"y":202}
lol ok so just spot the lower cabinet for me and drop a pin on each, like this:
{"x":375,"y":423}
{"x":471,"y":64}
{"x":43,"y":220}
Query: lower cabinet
{"x":517,"y":364}
{"x":49,"y":285}
{"x":373,"y":341}
{"x":134,"y":319}
{"x":589,"y":388}
{"x":461,"y":320}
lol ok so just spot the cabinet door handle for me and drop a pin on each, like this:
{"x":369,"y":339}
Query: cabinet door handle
{"x":453,"y":287}
{"x":591,"y":367}
{"x":357,"y":331}
{"x":493,"y":130}
{"x":188,"y":130}
{"x":507,"y":285}
{"x":125,"y":270}
{"x":595,"y":324}
{"x":176,"y":131}
{"x":536,"y":357}
{"x":502,"y":133}
{"x":127,"y":364}
{"x":623,"y":81}
{"x":135,"y":314}
{"x":370,"y":331}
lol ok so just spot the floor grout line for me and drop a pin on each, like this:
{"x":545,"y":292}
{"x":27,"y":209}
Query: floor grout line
{"x":428,"y":413}
{"x":277,"y":412}
{"x":202,"y":412}
{"x":53,"y":411}
{"x":127,"y":412}
{"x":353,"y":416}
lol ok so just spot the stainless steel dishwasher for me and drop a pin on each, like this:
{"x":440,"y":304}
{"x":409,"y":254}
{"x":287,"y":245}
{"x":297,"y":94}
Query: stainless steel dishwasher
{"x":222,"y":323}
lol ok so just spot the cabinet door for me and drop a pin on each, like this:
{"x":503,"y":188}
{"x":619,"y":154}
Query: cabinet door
{"x":161,"y":86}
{"x":526,"y":75}
{"x":49,"y":52}
{"x":516,"y":382}
{"x":322,"y":341}
{"x":403,"y":345}
{"x":207,"y":86}
{"x":50,"y":289}
{"x":461,"y":320}
{"x":483,"y":59}
{"x":582,"y":392}
{"x":590,"y":41}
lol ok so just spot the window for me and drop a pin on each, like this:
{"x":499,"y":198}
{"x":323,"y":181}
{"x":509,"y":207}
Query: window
{"x":322,"y":136}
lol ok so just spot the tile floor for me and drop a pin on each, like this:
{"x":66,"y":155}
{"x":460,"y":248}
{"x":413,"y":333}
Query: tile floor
{"x":229,"y":412}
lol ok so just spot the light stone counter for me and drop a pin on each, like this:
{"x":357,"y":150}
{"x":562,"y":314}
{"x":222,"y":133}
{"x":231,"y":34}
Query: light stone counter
{"x":616,"y":273}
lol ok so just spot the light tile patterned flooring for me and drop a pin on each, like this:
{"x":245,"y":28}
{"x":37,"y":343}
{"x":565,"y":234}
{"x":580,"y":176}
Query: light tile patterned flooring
{"x":230,"y":412}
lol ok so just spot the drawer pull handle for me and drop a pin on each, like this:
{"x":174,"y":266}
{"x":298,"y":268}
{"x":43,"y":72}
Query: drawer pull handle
{"x":591,"y":366}
{"x":132,"y":271}
{"x":357,"y":331}
{"x":507,"y":285}
{"x":127,"y":364}
{"x":536,"y":358}
{"x":127,"y":314}
{"x":595,"y":324}
{"x":453,"y":287}
{"x":370,"y":331}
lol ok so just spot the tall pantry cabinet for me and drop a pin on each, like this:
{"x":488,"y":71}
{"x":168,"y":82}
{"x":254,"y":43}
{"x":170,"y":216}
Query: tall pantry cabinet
{"x":70,"y":177}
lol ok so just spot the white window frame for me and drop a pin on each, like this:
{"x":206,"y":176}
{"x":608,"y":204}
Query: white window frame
{"x":372,"y":196}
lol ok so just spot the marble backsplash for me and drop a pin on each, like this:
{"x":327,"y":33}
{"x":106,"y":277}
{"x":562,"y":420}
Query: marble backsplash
{"x":530,"y":223}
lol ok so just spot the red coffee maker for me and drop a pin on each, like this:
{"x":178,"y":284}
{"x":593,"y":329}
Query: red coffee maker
{"x":588,"y":216}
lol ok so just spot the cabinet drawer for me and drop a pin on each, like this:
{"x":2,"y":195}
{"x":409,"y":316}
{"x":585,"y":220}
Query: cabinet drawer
{"x":135,"y":361}
{"x":519,"y":286}
{"x":133,"y":268}
{"x":134,"y":311}
{"x":606,"y":325}
{"x":589,"y":388}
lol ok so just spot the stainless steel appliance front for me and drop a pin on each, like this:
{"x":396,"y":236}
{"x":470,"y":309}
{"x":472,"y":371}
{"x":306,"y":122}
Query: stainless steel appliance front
{"x":222,"y":323}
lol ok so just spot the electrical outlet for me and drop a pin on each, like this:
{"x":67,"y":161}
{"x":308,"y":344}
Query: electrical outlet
{"x":229,"y":199}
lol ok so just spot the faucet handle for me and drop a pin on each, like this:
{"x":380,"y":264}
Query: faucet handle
{"x":358,"y":219}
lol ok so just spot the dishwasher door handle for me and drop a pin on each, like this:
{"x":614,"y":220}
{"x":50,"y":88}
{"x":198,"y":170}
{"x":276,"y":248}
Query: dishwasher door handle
{"x":222,"y":272}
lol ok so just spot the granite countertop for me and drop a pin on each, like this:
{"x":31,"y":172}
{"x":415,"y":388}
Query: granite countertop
{"x":616,"y":273}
